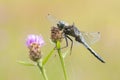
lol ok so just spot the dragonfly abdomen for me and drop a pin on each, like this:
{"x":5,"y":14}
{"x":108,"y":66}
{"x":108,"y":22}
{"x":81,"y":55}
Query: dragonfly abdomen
{"x":81,"y":40}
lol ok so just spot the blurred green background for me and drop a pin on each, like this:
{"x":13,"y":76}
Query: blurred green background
{"x":18,"y":18}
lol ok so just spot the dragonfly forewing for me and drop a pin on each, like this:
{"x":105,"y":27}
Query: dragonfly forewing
{"x":52,"y":19}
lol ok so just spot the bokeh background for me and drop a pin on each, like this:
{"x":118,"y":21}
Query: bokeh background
{"x":19,"y":18}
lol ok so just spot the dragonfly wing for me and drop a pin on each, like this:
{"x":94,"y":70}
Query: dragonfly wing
{"x":91,"y":37}
{"x":52,"y":19}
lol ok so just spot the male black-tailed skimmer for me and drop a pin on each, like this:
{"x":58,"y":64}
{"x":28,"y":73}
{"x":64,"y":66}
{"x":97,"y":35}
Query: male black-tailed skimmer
{"x":80,"y":36}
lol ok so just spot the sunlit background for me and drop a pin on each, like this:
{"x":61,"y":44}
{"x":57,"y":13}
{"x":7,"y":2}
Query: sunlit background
{"x":19,"y":18}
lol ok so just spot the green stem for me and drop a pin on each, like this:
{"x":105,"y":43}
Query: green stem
{"x":62,"y":60}
{"x":42,"y":70}
{"x":48,"y":56}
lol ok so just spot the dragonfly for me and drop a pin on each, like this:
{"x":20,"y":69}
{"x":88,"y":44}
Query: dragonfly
{"x":85,"y":38}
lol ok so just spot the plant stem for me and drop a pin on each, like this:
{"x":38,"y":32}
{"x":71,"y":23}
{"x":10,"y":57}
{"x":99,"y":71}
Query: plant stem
{"x":62,"y":60}
{"x":48,"y":56}
{"x":42,"y":70}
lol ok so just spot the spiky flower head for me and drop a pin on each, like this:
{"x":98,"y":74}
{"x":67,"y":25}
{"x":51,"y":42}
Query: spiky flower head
{"x":34,"y":43}
{"x":56,"y":34}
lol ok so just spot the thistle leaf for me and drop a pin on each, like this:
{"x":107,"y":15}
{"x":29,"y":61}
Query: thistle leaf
{"x":26,"y":63}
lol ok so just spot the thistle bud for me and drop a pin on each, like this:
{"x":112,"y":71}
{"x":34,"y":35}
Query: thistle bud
{"x":56,"y":34}
{"x":34,"y":43}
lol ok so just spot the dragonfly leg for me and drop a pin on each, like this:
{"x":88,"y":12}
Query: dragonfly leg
{"x":66,"y":40}
{"x":71,"y":44}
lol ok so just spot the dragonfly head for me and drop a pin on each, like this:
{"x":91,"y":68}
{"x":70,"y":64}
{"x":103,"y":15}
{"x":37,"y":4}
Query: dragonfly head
{"x":61,"y":25}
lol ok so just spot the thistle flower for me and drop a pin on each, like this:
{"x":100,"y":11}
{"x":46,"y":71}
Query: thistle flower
{"x":56,"y":34}
{"x":34,"y":43}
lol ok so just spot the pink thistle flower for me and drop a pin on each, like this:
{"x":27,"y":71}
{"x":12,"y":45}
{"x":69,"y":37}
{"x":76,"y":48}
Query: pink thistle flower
{"x":34,"y":43}
{"x":34,"y":39}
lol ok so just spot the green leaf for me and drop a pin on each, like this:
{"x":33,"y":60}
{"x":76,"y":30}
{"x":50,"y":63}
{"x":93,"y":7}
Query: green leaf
{"x":26,"y":63}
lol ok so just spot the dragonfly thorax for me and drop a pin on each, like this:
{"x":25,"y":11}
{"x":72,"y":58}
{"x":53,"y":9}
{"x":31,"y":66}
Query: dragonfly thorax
{"x":61,"y":25}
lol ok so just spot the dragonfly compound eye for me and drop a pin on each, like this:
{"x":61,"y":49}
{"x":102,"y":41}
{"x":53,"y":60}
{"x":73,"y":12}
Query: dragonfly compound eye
{"x":61,"y":25}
